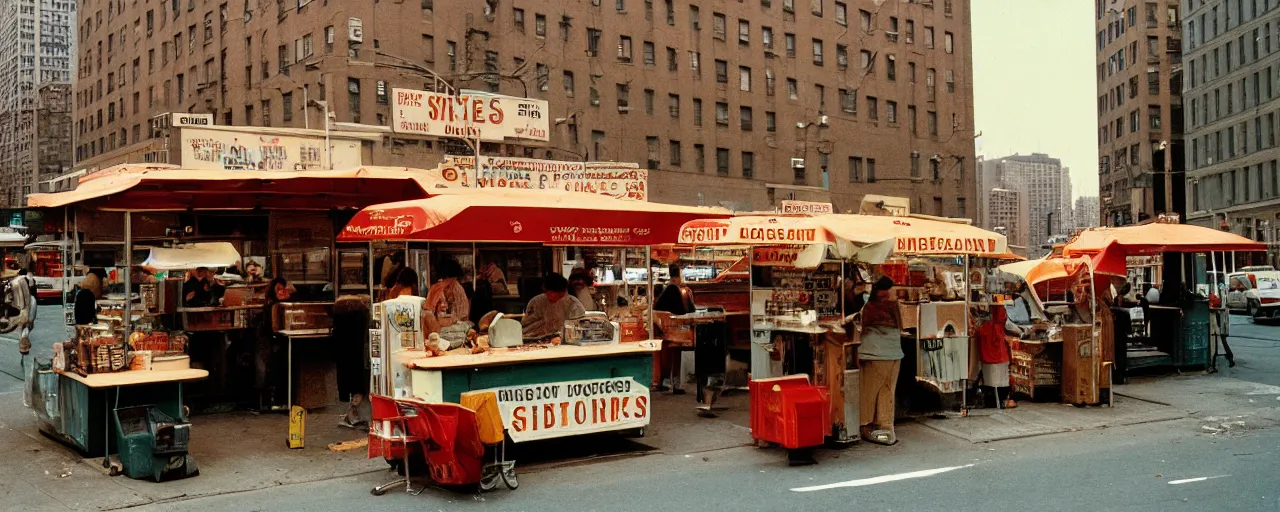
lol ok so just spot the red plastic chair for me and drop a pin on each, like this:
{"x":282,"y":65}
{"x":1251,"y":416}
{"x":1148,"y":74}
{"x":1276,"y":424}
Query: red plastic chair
{"x":390,"y":437}
{"x":450,"y":438}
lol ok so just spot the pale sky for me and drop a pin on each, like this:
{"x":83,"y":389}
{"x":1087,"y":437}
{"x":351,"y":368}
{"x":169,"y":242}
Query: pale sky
{"x":1034,"y":87}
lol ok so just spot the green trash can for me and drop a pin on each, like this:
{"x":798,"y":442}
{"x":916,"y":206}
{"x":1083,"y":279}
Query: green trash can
{"x":153,"y":445}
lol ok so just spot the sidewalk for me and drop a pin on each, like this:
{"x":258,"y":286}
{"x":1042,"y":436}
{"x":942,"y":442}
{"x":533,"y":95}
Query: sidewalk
{"x":1219,"y":404}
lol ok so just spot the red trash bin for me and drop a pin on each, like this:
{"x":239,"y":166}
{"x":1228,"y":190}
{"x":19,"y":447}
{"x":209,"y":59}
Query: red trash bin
{"x":790,"y":411}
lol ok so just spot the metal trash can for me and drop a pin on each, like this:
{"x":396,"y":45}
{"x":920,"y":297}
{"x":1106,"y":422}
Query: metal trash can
{"x":153,"y":445}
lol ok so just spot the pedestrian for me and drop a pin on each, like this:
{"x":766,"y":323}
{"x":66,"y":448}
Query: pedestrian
{"x":880,"y":359}
{"x":86,"y":305}
{"x":24,"y":300}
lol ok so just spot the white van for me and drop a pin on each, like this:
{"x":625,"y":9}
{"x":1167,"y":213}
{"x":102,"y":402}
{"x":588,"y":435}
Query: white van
{"x":1257,"y":293}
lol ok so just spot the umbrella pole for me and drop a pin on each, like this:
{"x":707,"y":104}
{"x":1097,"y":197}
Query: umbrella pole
{"x":968,"y":303}
{"x":128,"y":271}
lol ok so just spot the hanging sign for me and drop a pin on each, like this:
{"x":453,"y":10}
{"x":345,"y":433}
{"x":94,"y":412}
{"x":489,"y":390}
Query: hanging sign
{"x":560,"y":409}
{"x":474,"y":115}
{"x":809,"y":256}
{"x":613,"y":179}
{"x":806,"y":208}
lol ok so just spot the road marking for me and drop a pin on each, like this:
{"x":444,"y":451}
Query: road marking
{"x":1194,"y":480}
{"x":881,"y":479}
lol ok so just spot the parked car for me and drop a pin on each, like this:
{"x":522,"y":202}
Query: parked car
{"x":1257,"y":293}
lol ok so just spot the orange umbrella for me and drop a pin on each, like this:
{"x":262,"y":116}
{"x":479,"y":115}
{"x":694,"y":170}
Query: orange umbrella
{"x":1156,"y":238}
{"x":524,"y":216}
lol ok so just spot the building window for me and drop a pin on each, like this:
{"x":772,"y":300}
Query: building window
{"x":722,"y":71}
{"x":768,"y":82}
{"x":817,"y":52}
{"x":744,"y":118}
{"x":873,"y":108}
{"x":568,"y":84}
{"x":790,"y":41}
{"x":648,"y":101}
{"x":744,"y":78}
{"x":849,"y":101}
{"x":932,"y":121}
{"x":697,"y":112}
{"x":695,"y":64}
{"x":722,"y":114}
{"x":766,"y":37}
{"x":864,"y":20}
{"x":842,"y":57}
{"x":286,"y":105}
{"x":649,"y":58}
{"x":651,"y":146}
{"x":793,"y":89}
{"x":867,"y":62}
{"x":624,"y":98}
{"x":855,"y":169}
{"x":928,"y":37}
{"x":911,"y":31}
{"x":871,"y":170}
{"x":722,"y":161}
{"x":949,"y":42}
{"x":593,"y":42}
{"x":672,"y":61}
{"x":700,"y":157}
{"x":518,"y":15}
{"x":624,"y":48}
{"x":718,"y":26}
{"x":891,"y":68}
{"x":1153,"y":117}
{"x":673,"y":152}
{"x":744,"y":32}
{"x":540,"y":25}
{"x":673,"y":105}
{"x":770,"y":122}
{"x":543,"y":74}
{"x":891,"y":112}
{"x":842,"y":13}
{"x":748,"y":164}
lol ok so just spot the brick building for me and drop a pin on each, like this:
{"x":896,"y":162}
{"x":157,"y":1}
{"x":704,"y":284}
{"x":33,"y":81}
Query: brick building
{"x":1233,"y":99}
{"x":37,"y":61}
{"x":1007,"y":214}
{"x":717,"y":98}
{"x":1140,"y":125}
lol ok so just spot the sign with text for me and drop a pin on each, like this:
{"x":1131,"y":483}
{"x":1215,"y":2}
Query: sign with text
{"x":561,"y":409}
{"x":239,"y":151}
{"x":806,"y":208}
{"x":617,"y":180}
{"x":797,"y":256}
{"x":192,"y":120}
{"x":948,"y":245}
{"x":475,"y":115}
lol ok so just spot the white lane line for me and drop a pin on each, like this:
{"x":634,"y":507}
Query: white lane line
{"x":1194,"y":480}
{"x":881,"y":479}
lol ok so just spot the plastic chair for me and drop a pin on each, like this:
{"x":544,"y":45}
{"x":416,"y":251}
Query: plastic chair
{"x":390,"y":437}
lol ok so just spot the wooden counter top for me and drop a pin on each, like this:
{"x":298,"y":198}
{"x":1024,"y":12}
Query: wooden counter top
{"x":136,"y":377}
{"x":500,"y":356}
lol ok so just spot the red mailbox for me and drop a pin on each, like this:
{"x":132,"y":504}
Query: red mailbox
{"x":790,"y":411}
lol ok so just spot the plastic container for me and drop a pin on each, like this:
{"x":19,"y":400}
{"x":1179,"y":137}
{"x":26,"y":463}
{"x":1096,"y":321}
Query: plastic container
{"x":789,"y":411}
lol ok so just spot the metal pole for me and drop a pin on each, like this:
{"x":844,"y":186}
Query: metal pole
{"x":968,"y":292}
{"x":477,"y":169}
{"x":328,"y":145}
{"x":306,"y":108}
{"x":128,"y":274}
{"x":648,"y":264}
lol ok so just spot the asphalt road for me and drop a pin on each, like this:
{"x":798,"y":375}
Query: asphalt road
{"x":1257,"y":351}
{"x":1156,"y":467}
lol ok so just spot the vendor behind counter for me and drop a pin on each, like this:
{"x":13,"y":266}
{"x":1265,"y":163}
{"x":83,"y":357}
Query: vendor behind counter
{"x":546,"y":313}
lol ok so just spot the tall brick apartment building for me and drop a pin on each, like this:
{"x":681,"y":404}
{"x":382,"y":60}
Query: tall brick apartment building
{"x":716,"y":97}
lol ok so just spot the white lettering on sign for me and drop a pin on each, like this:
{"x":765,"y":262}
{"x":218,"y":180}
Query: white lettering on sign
{"x":617,"y":180}
{"x":381,"y":223}
{"x":560,"y":409}
{"x":806,"y":208}
{"x":488,"y":117}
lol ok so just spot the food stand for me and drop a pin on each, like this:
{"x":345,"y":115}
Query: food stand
{"x":1182,"y":321}
{"x":593,"y":377}
{"x":1071,"y":348}
{"x":172,"y":215}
